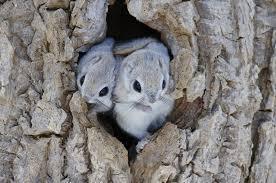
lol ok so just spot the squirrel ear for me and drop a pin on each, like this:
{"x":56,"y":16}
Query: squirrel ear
{"x":124,"y":74}
{"x":165,"y":67}
{"x":95,"y":59}
{"x":160,"y":63}
{"x":87,"y":63}
{"x":80,"y":80}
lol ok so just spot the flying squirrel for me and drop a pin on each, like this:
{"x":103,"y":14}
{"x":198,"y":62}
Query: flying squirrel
{"x":143,"y":86}
{"x":96,"y":75}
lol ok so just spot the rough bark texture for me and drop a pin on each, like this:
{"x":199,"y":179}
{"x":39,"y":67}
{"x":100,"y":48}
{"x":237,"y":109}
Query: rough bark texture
{"x":223,"y":128}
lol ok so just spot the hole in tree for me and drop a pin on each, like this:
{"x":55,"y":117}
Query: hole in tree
{"x":122,"y":26}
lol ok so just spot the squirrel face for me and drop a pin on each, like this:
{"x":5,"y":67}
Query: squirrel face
{"x":145,"y":77}
{"x":96,"y":76}
{"x":96,"y":86}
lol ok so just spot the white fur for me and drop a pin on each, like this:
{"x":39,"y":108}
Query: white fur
{"x":136,"y":121}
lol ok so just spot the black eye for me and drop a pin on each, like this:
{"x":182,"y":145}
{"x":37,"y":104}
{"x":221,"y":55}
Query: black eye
{"x":103,"y":92}
{"x":137,"y":86}
{"x":82,"y":79}
{"x":163,"y":84}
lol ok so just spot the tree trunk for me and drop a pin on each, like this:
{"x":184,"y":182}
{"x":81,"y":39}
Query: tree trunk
{"x":223,"y":127}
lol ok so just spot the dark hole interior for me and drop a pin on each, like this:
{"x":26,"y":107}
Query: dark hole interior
{"x":122,"y":26}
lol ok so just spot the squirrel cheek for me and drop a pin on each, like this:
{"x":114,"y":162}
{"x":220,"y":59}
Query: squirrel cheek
{"x":108,"y":102}
{"x":135,"y":96}
{"x":163,"y":92}
{"x":157,"y":97}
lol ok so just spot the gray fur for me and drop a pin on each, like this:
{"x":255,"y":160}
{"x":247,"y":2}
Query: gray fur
{"x":135,"y":112}
{"x":97,"y":67}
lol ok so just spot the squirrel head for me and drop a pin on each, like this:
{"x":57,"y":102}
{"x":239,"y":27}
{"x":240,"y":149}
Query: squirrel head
{"x":96,"y":77}
{"x":144,"y":74}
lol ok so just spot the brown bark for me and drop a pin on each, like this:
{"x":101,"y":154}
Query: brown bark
{"x":223,"y":128}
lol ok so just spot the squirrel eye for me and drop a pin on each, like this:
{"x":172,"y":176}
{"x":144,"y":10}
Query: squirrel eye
{"x":163,"y":84}
{"x":137,"y":86}
{"x":82,"y":80}
{"x":103,"y":92}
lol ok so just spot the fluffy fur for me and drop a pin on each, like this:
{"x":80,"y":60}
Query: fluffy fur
{"x":96,"y":70}
{"x":136,"y":112}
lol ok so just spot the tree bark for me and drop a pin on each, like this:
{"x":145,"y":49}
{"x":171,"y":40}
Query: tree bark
{"x":223,"y":127}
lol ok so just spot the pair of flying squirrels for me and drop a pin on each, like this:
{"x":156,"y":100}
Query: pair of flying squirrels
{"x":132,"y":78}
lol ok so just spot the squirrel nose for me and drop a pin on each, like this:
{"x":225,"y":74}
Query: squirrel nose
{"x":151,"y":98}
